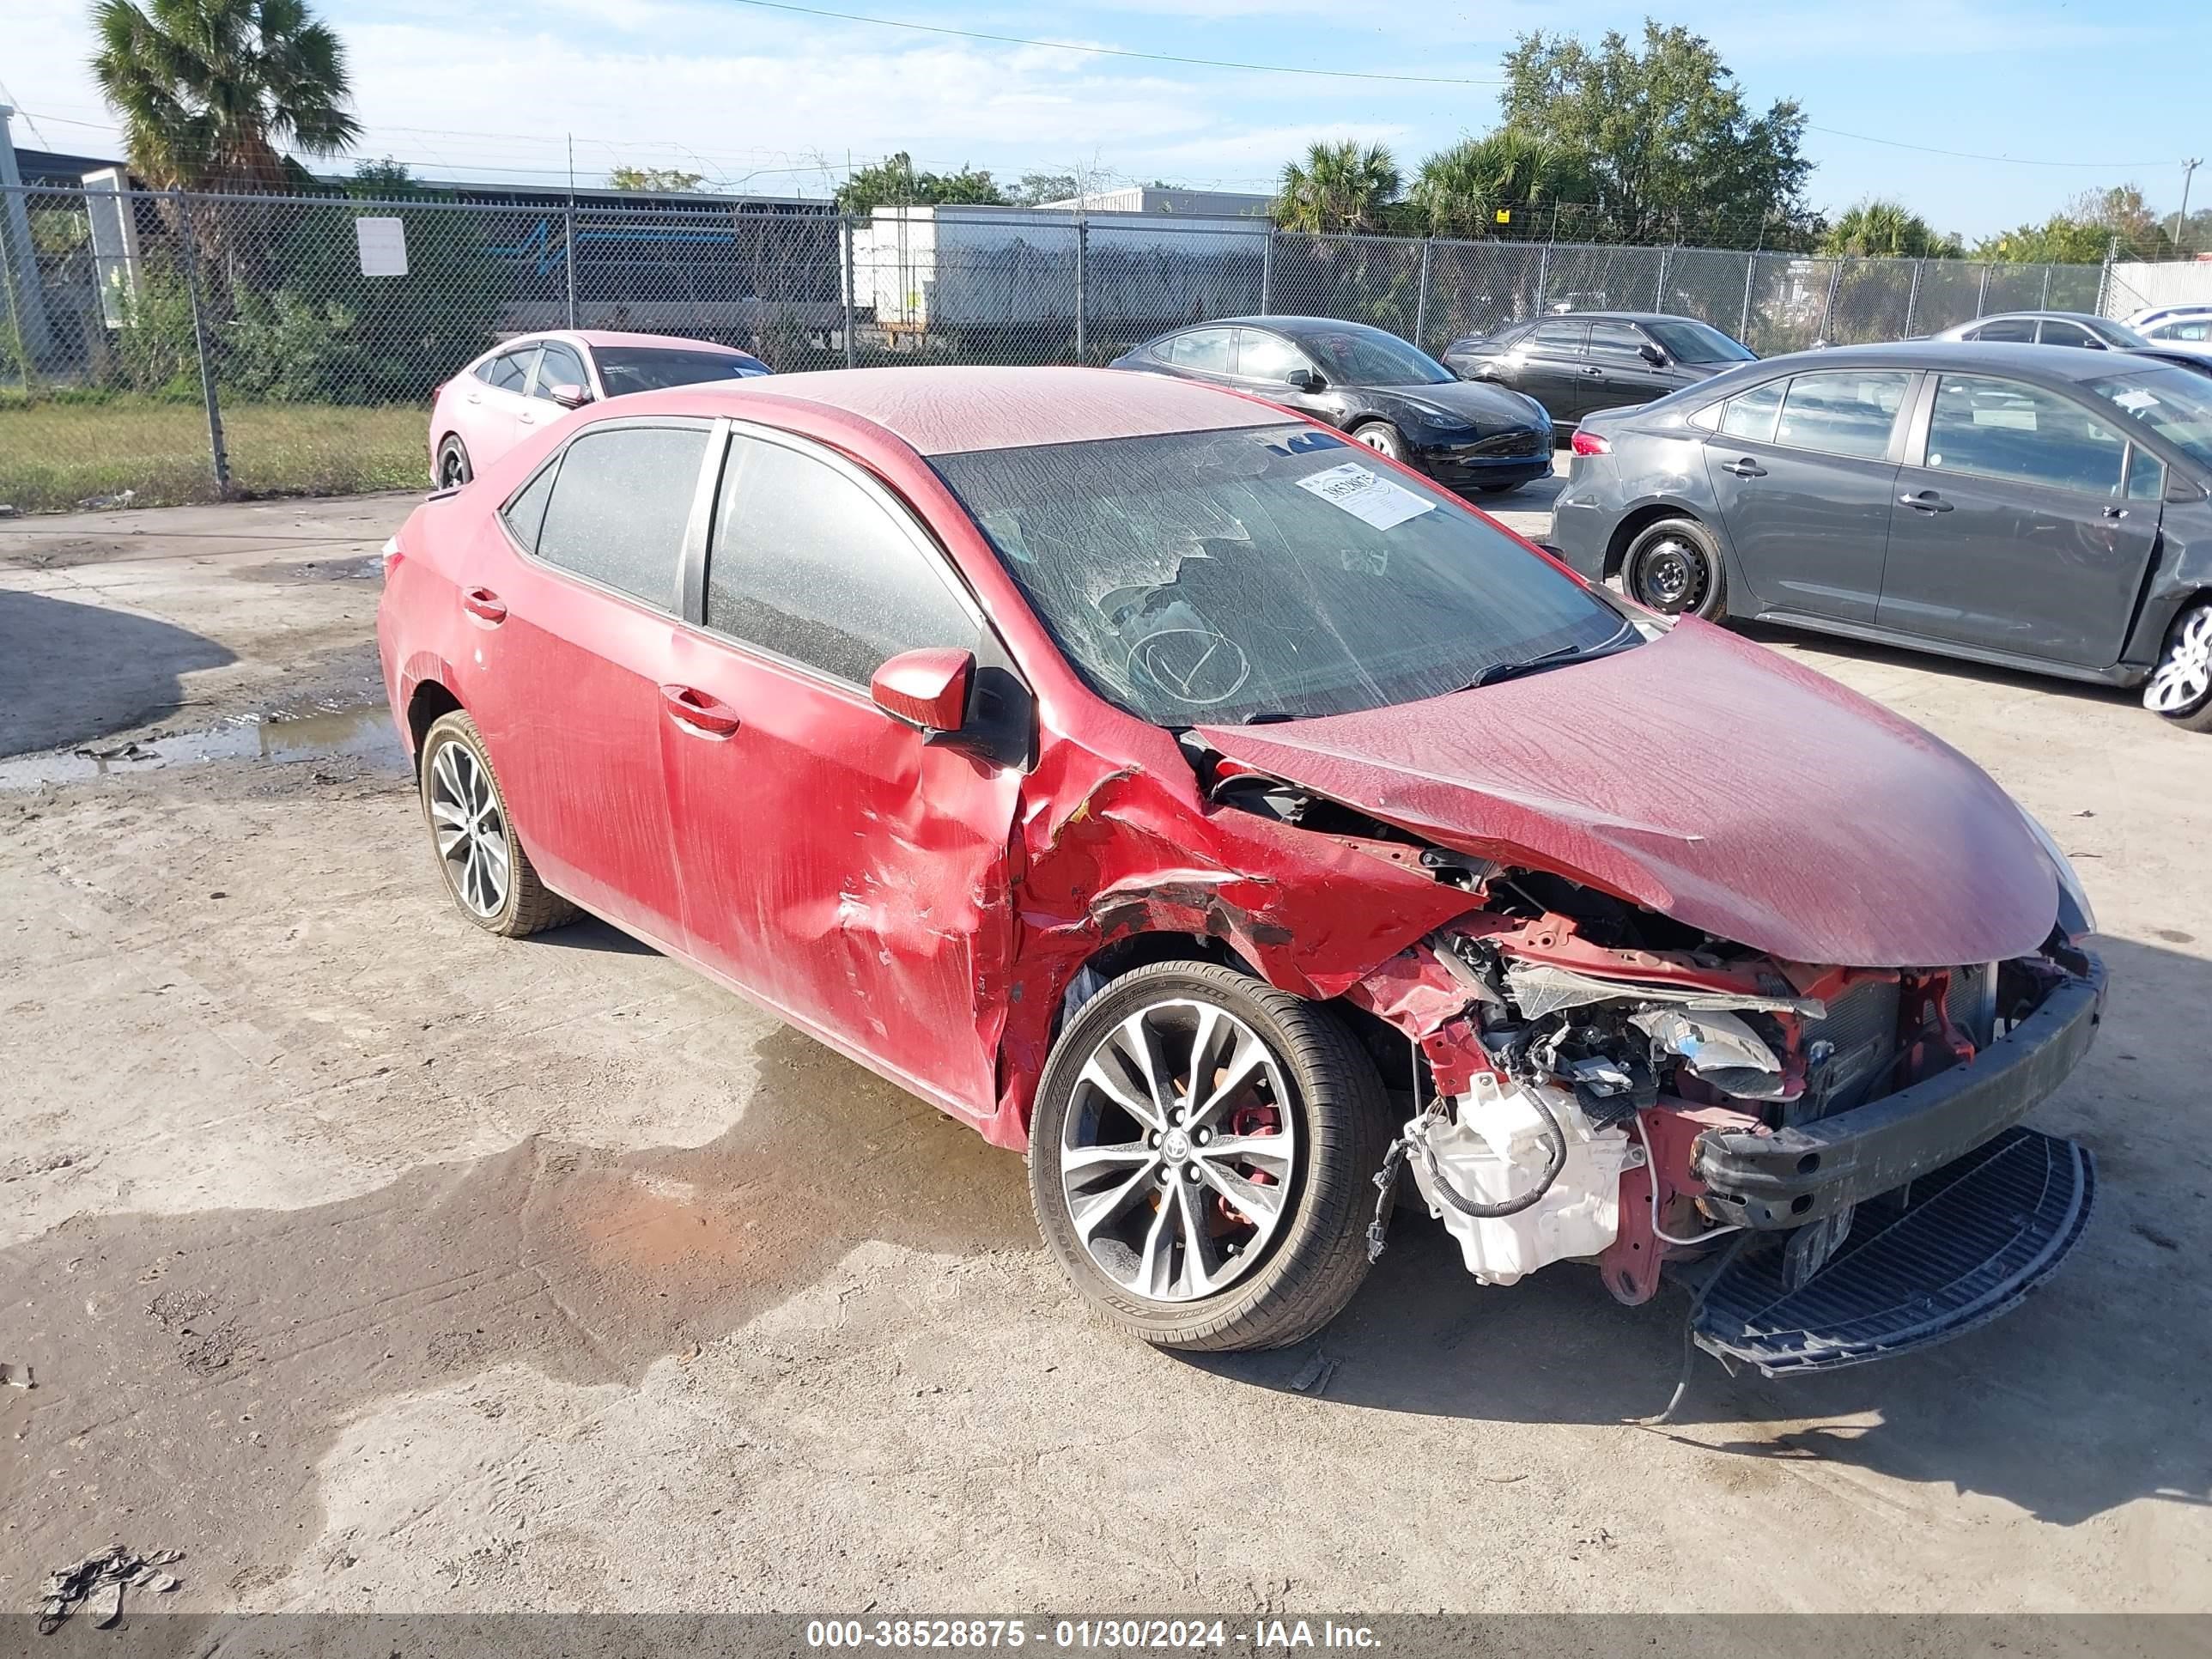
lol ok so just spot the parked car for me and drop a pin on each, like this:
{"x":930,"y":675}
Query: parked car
{"x":515,"y":388}
{"x":2191,"y":328}
{"x":2074,"y":328}
{"x":1576,"y":365}
{"x":1391,"y":396}
{"x":2045,"y":510}
{"x":2149,"y":317}
{"x":1157,"y":780}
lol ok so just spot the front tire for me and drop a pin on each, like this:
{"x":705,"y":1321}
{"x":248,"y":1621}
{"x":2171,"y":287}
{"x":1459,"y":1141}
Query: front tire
{"x":1674,"y":567}
{"x":2179,"y":689}
{"x":1202,"y":1157}
{"x":1383,"y":438}
{"x":454,"y":468}
{"x":487,"y":873}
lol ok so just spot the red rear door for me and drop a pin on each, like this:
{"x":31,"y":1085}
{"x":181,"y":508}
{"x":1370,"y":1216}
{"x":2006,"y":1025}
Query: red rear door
{"x":834,"y":864}
{"x":573,"y":641}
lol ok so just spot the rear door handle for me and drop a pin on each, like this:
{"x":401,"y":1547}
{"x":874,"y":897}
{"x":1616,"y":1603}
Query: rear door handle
{"x":484,"y":605}
{"x":1592,"y":368}
{"x":1926,"y":501}
{"x":695,"y":711}
{"x":2116,"y":512}
{"x":1746,"y":468}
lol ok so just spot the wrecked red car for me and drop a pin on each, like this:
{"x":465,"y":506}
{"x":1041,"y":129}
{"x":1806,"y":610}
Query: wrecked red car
{"x":1249,"y":828}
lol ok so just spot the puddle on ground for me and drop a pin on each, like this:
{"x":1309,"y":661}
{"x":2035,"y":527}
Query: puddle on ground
{"x":364,"y":733}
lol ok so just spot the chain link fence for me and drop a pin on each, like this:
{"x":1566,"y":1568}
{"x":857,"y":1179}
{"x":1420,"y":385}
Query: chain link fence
{"x":161,"y":347}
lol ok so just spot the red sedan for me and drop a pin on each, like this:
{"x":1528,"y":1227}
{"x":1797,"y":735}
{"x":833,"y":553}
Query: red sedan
{"x":1232,"y":819}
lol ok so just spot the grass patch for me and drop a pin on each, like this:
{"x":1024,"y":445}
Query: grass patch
{"x":55,"y":455}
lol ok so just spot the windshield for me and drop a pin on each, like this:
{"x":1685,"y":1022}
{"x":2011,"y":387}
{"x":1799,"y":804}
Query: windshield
{"x":2175,"y":403}
{"x":1698,"y":343}
{"x":651,"y":369}
{"x":1352,"y":356}
{"x":1264,"y":573}
{"x":2119,"y":334}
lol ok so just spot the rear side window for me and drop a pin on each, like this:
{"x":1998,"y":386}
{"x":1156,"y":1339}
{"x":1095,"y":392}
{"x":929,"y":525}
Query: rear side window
{"x":1753,"y":415}
{"x":2009,"y":429}
{"x":1209,"y":350}
{"x":1845,"y":412}
{"x":2016,"y":331}
{"x":1560,"y":336}
{"x":526,"y":514}
{"x":618,"y":508}
{"x":510,"y":369}
{"x":807,"y":564}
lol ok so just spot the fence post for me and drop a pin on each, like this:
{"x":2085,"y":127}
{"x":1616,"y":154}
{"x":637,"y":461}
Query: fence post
{"x":23,"y":354}
{"x":1421,"y":298}
{"x":845,"y":254}
{"x":1659,"y":300}
{"x":1828,"y":309}
{"x":1082,"y":259}
{"x":1982,"y":293}
{"x":1750,"y":273}
{"x":1543,"y":269}
{"x":2105,"y":280}
{"x":2044,"y":304}
{"x":219,"y":455}
{"x":568,"y":256}
{"x":1268,"y":271}
{"x":1913,"y":295}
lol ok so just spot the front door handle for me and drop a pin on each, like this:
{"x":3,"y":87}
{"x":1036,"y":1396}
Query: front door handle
{"x":1592,"y":368}
{"x":484,"y":605}
{"x":695,"y":711}
{"x":1746,"y":468}
{"x":1926,"y":501}
{"x":2116,"y":512}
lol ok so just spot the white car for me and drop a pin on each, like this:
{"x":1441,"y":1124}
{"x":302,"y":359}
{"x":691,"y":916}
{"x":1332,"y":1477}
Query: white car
{"x":2151,"y":316}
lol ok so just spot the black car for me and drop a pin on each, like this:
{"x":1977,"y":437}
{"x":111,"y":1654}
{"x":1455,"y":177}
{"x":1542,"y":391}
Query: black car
{"x":2036,"y":508}
{"x":1576,"y":364}
{"x":1391,"y":396}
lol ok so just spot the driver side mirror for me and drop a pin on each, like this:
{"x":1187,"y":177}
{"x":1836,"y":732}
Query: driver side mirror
{"x":1304,"y":380}
{"x":927,"y":689}
{"x":570,"y":396}
{"x":1652,"y":355}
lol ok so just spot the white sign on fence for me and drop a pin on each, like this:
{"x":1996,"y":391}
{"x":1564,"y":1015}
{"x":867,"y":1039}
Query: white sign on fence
{"x":383,"y":246}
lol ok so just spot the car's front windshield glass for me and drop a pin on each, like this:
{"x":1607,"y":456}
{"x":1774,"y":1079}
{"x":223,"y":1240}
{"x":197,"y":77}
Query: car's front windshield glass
{"x":1698,"y":343}
{"x":2119,"y":334}
{"x":1264,"y":573}
{"x":1368,"y":356}
{"x":2175,"y":403}
{"x":655,"y":369}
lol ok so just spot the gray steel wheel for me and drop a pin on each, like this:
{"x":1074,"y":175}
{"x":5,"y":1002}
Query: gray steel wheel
{"x":2181,"y":687}
{"x":1176,"y":1158}
{"x":471,"y":829}
{"x":1673,"y":566}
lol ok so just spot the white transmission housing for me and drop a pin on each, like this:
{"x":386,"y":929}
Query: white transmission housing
{"x":1497,"y":1151}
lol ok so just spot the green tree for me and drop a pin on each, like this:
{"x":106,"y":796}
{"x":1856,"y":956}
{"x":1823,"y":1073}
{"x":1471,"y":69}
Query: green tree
{"x":1878,"y":230}
{"x":655,"y":181}
{"x":2060,"y":239}
{"x":1460,"y":191}
{"x":1339,"y":187}
{"x":894,"y":182}
{"x":1664,"y":131}
{"x":1037,"y":188}
{"x":211,"y":92}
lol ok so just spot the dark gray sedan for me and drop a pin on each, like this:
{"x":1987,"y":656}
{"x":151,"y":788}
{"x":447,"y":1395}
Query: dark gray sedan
{"x":1577,"y":362}
{"x":2039,"y":509}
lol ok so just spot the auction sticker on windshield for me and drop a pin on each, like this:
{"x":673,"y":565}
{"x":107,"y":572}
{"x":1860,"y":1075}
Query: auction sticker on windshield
{"x":1368,"y":496}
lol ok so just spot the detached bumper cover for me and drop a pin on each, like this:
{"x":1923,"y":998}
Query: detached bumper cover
{"x":1800,"y":1175}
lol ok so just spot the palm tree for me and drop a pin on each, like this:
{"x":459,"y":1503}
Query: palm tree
{"x":1340,"y":187}
{"x":1459,"y":191}
{"x":1878,"y":229}
{"x":208,"y":90}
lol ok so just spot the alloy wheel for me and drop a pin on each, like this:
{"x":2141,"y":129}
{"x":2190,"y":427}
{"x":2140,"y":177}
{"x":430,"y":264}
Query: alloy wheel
{"x":470,"y":828}
{"x":2182,"y":681}
{"x":1179,"y":1150}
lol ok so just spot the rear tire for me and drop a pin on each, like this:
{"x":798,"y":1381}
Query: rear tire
{"x":1674,"y":567}
{"x":1145,"y":1218}
{"x":453,"y":466}
{"x":2179,"y":689}
{"x":488,"y":874}
{"x":1381,"y":437}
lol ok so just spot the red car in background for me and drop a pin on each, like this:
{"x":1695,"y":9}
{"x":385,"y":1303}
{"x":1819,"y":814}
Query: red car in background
{"x":527,"y":383}
{"x":1229,"y":816}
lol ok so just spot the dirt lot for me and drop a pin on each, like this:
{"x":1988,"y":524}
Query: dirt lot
{"x":376,"y":1263}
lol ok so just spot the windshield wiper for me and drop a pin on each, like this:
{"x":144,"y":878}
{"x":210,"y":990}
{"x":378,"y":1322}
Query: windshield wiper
{"x":1554,"y":659}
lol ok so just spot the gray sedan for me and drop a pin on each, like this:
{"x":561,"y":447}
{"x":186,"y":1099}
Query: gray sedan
{"x":2038,"y":510}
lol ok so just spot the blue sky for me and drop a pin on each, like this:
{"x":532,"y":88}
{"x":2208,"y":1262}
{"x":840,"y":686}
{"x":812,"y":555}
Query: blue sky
{"x":771,"y":102}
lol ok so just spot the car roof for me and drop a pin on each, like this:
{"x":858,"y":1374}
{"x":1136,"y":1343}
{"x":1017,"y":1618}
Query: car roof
{"x":1284,"y":324}
{"x":1610,"y":317}
{"x":944,"y":410}
{"x":2016,"y":357}
{"x":614,"y":336}
{"x":2022,"y":316}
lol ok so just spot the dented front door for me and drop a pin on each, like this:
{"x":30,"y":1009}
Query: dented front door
{"x":834,"y":864}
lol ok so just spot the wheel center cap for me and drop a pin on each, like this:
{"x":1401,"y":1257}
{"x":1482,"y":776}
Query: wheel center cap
{"x":1176,"y":1146}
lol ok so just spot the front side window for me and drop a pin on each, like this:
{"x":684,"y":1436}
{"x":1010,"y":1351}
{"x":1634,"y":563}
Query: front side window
{"x":1368,"y":356}
{"x":1267,"y":357}
{"x":1264,"y":573}
{"x":620,"y":502}
{"x":2009,"y":429}
{"x":1208,"y":350}
{"x":806,"y":563}
{"x":1615,"y":340}
{"x":1689,"y":342}
{"x":625,"y":369}
{"x":1843,"y":411}
{"x":558,"y":367}
{"x":2069,"y":334}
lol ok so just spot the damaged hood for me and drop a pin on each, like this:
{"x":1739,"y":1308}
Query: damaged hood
{"x":1707,"y":778}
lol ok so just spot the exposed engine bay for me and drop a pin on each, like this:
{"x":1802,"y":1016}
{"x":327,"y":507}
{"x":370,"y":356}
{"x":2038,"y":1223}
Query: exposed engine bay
{"x":1587,"y":1075}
